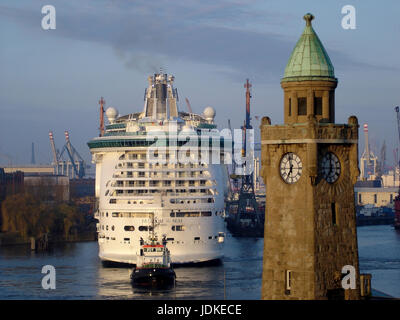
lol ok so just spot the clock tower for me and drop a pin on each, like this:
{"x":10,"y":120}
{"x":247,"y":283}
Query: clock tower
{"x":309,"y":166}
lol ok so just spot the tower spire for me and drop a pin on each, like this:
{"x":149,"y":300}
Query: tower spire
{"x":308,"y":17}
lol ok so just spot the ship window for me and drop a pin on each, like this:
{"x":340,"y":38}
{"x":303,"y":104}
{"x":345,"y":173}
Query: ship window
{"x":178,"y":228}
{"x":288,"y":281}
{"x":360,"y":199}
{"x":107,"y":228}
{"x":391,"y":198}
{"x":126,"y":239}
{"x":172,"y":214}
{"x":115,"y":214}
{"x":145,"y":228}
{"x":196,"y":238}
{"x":129,"y":228}
{"x":206,"y":214}
{"x":113,"y":200}
{"x":210,"y":237}
{"x":106,"y":214}
{"x":112,"y":238}
{"x":112,"y":228}
{"x":170,"y":239}
{"x":302,"y":106}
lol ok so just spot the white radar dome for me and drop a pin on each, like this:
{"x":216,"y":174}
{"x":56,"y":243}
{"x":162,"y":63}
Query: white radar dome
{"x":111,"y":114}
{"x":209,"y":113}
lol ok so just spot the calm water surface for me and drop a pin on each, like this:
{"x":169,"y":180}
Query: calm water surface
{"x":80,"y":274}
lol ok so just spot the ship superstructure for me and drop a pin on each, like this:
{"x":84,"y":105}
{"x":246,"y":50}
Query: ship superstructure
{"x":161,"y":166}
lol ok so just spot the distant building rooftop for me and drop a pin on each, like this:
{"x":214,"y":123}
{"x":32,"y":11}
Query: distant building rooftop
{"x":369,"y":184}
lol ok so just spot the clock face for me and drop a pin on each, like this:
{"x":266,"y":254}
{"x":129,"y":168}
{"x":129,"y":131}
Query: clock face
{"x":290,"y":168}
{"x":330,"y":167}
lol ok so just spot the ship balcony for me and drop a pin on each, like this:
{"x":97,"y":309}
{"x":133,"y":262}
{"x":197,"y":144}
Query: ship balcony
{"x":178,"y":181}
{"x":146,"y":167}
{"x":162,"y":187}
{"x":152,"y":176}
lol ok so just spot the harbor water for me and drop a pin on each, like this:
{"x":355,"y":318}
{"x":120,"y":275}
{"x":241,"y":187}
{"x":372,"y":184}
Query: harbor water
{"x":80,"y":274}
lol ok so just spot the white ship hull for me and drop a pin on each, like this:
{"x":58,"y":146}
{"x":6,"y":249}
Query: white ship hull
{"x":198,"y":241}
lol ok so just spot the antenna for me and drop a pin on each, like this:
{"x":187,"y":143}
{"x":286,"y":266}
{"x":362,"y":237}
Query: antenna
{"x":102,"y":102}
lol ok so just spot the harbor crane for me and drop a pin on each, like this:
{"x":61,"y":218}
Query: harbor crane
{"x":397,"y":198}
{"x":244,"y":215}
{"x":74,"y":167}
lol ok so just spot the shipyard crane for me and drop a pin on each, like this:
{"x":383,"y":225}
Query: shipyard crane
{"x":397,"y":198}
{"x":188,"y":105}
{"x":233,"y":175}
{"x":75,"y":157}
{"x":75,"y":160}
{"x":56,"y":155}
{"x":244,"y":215}
{"x":382,"y":160}
{"x":368,"y":160}
{"x":397,"y":109}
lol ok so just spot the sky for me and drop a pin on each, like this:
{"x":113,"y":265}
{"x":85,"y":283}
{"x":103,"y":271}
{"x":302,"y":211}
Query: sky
{"x":53,"y":79}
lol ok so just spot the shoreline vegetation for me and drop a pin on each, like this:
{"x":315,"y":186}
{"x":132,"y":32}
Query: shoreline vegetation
{"x":24,"y":216}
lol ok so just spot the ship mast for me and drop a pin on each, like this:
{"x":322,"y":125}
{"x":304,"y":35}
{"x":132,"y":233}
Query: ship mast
{"x":102,"y":102}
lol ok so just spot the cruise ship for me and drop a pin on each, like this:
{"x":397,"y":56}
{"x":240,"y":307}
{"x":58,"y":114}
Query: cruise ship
{"x":162,"y":170}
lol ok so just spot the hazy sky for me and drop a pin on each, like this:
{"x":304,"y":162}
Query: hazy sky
{"x":53,"y":79}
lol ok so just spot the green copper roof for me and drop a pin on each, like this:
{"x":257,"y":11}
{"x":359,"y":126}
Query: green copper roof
{"x":309,"y":60}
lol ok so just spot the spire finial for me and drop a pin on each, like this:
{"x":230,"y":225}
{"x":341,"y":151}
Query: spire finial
{"x":308,"y":17}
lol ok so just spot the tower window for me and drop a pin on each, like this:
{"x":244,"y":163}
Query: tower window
{"x":334,"y":214}
{"x":375,"y":198}
{"x":359,"y":198}
{"x":302,"y":106}
{"x":318,"y":106}
{"x":288,"y":281}
{"x":391,"y":198}
{"x":290,"y":106}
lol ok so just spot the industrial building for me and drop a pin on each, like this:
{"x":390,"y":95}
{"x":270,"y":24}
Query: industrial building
{"x":377,"y":197}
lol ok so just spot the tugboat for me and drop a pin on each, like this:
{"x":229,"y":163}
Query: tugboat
{"x":153,"y":268}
